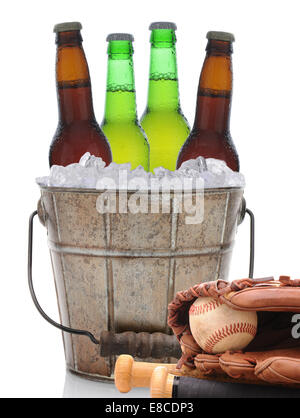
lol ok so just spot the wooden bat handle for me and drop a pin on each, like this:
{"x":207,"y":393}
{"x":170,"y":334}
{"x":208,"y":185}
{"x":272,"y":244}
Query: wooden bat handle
{"x":166,"y":385}
{"x":142,"y":344}
{"x":130,"y":374}
{"x":161,"y":385}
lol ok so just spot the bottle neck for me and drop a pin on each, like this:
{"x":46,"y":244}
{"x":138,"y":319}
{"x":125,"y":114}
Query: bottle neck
{"x":120,"y":104}
{"x":215,"y":89}
{"x":74,"y":92}
{"x":163,"y":93}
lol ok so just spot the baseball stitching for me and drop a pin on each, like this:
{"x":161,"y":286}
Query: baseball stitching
{"x":238,"y":327}
{"x":205,"y":307}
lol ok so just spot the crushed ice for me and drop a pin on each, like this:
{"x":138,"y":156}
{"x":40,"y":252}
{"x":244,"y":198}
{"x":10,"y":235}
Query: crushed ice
{"x":91,"y":170}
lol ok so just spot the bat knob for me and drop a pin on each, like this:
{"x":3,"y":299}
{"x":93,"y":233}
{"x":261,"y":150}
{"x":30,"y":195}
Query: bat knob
{"x":123,"y":373}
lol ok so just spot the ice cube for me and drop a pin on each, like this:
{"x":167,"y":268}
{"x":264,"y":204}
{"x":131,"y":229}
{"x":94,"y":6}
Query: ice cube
{"x":162,"y":172}
{"x":83,"y":160}
{"x":118,"y":167}
{"x":198,"y":164}
{"x":216,"y":166}
{"x":94,"y":162}
{"x":73,"y":175}
{"x":42,"y":181}
{"x":187,"y":172}
{"x":139,"y":172}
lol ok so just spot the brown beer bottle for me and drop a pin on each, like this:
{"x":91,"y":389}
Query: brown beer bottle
{"x":78,"y":131}
{"x":210,"y":136}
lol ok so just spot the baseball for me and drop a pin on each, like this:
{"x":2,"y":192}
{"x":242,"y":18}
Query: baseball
{"x":218,"y":328}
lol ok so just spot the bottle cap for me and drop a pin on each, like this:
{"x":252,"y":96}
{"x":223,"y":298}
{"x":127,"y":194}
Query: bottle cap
{"x":120,"y":37}
{"x":67,"y":26}
{"x":220,"y":36}
{"x":163,"y":25}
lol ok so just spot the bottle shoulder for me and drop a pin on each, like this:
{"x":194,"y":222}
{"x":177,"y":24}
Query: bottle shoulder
{"x":78,"y":128}
{"x":208,"y":133}
{"x":210,"y":144}
{"x":70,"y":143}
{"x":123,"y":131}
{"x":209,"y":140}
{"x":164,"y":117}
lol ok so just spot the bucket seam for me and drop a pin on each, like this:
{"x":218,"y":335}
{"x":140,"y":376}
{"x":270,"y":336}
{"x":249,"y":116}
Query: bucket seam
{"x":64,"y":278}
{"x":222,"y":237}
{"x":109,"y":284}
{"x":172,"y":262}
{"x":137,"y":253}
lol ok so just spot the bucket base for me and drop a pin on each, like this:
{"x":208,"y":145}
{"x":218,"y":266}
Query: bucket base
{"x":93,"y":377}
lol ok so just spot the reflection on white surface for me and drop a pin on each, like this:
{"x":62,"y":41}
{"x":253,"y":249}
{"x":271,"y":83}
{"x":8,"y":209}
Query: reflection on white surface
{"x":78,"y":387}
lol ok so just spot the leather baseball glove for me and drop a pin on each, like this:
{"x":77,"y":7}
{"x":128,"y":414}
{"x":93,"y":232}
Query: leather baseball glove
{"x":273,"y":356}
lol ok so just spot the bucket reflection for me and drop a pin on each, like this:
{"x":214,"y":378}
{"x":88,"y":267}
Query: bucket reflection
{"x":78,"y":387}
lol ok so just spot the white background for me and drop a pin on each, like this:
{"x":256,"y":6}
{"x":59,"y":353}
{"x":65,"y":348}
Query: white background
{"x":264,"y":127}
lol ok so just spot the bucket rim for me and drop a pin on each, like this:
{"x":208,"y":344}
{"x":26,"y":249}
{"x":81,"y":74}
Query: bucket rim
{"x":82,"y":190}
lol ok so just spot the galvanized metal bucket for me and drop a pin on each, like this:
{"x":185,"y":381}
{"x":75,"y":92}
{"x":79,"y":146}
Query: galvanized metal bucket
{"x":118,"y":271}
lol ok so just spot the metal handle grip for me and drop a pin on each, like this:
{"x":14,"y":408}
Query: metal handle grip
{"x":142,"y":344}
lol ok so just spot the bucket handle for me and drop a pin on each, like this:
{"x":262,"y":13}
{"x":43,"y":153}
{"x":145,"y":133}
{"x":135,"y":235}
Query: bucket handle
{"x":33,"y":295}
{"x":242,"y":214}
{"x":252,"y":242}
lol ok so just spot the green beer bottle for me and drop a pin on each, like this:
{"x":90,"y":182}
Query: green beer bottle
{"x":163,"y":121}
{"x":126,"y":137}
